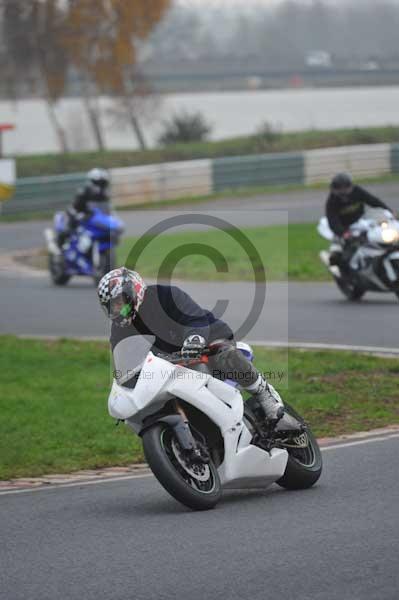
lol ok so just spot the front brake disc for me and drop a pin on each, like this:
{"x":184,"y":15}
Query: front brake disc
{"x":198,"y":471}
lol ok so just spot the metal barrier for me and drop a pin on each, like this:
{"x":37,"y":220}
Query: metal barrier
{"x":395,"y":158}
{"x":360,"y":161}
{"x":164,"y":181}
{"x":40,"y":194}
{"x":257,"y":170}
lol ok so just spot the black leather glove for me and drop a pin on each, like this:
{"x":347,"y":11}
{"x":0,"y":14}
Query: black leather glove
{"x":193,"y":346}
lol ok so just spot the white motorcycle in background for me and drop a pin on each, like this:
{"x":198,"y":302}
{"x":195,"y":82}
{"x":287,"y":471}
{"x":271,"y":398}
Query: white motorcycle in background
{"x":199,"y":436}
{"x":374,"y":256}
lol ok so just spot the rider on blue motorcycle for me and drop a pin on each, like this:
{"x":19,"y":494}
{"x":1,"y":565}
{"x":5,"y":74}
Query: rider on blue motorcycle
{"x":93,"y":193}
{"x":180,"y":324}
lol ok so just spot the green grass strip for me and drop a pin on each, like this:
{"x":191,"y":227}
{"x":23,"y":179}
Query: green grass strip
{"x":54,"y":393}
{"x":285,"y":254}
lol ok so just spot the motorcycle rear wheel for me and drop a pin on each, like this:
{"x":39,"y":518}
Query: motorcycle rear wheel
{"x":304,"y":465}
{"x":195,"y":486}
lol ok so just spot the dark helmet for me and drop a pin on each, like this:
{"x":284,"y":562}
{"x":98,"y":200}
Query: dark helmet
{"x":341,"y":183}
{"x":121,"y":293}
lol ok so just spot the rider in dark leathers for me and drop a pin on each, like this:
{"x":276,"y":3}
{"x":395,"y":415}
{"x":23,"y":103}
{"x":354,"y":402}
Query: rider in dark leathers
{"x":93,"y":192}
{"x":345,"y":205}
{"x":178,"y":323}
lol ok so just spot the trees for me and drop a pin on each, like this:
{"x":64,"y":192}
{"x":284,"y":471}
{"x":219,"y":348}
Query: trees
{"x":96,"y":37}
{"x":101,"y":40}
{"x":32,"y":31}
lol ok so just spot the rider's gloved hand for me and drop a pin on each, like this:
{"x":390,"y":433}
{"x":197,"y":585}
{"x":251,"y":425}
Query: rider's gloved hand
{"x":193,"y":346}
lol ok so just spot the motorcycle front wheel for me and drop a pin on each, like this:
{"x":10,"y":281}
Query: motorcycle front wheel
{"x":57,"y":270}
{"x":305,"y":464}
{"x":350,"y":290}
{"x":196,"y":485}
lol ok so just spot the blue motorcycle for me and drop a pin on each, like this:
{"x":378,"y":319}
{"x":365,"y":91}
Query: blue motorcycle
{"x":87,"y":249}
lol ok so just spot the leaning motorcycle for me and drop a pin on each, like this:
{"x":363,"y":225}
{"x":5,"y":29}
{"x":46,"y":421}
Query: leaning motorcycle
{"x":373,"y":263}
{"x":198,"y":434}
{"x":88,"y":250}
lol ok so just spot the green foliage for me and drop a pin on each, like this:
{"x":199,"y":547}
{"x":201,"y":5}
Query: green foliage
{"x":77,"y":162}
{"x":266,"y":137}
{"x":184,"y":128}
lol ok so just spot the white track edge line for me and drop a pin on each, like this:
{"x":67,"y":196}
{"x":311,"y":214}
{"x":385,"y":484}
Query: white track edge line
{"x":325,"y":346}
{"x":269,"y":344}
{"x":146,"y":475}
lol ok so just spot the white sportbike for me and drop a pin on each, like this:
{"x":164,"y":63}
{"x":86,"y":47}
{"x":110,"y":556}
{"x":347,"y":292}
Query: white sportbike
{"x":199,"y":436}
{"x":373,"y":254}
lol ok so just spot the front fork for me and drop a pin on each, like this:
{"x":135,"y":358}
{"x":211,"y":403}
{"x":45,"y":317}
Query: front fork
{"x":186,"y":438}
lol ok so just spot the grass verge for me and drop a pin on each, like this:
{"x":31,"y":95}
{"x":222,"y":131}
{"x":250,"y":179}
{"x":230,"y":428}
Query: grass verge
{"x":54,"y":415}
{"x":52,"y":164}
{"x":285,"y":253}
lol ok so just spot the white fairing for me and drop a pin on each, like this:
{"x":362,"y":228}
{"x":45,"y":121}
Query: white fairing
{"x":324,"y":229}
{"x":244,"y":464}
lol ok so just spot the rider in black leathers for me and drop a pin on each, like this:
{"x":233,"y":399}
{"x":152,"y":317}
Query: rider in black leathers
{"x":178,"y":323}
{"x":345,"y":205}
{"x":93,"y":192}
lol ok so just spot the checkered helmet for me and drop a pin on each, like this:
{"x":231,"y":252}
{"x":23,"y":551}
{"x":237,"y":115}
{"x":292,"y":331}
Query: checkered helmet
{"x":121,"y":293}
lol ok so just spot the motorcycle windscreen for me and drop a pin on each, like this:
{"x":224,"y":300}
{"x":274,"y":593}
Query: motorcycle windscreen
{"x":377,"y":214}
{"x":129,"y":355}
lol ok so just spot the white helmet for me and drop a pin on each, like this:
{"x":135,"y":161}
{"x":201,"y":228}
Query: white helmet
{"x":98,"y":177}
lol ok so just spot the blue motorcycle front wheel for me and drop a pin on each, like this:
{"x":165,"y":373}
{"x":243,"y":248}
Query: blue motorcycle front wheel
{"x":57,"y":270}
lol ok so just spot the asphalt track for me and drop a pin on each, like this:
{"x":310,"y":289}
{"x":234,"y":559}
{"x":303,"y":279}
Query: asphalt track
{"x":130,"y":540}
{"x":301,"y":206}
{"x":314,"y":313}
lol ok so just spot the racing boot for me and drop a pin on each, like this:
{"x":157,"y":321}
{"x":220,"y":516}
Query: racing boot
{"x":266,"y":398}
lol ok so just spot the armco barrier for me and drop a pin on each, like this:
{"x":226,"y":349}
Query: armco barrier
{"x":395,"y":158}
{"x":360,"y":161}
{"x":153,"y":183}
{"x":164,"y":181}
{"x":257,"y":170}
{"x":38,"y":194}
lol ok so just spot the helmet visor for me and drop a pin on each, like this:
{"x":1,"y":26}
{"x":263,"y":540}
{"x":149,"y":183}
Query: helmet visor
{"x":119,"y":309}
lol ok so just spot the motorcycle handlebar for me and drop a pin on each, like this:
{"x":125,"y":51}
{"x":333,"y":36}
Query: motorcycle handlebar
{"x":177,"y":358}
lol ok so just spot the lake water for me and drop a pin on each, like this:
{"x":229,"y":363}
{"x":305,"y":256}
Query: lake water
{"x":230,"y":113}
